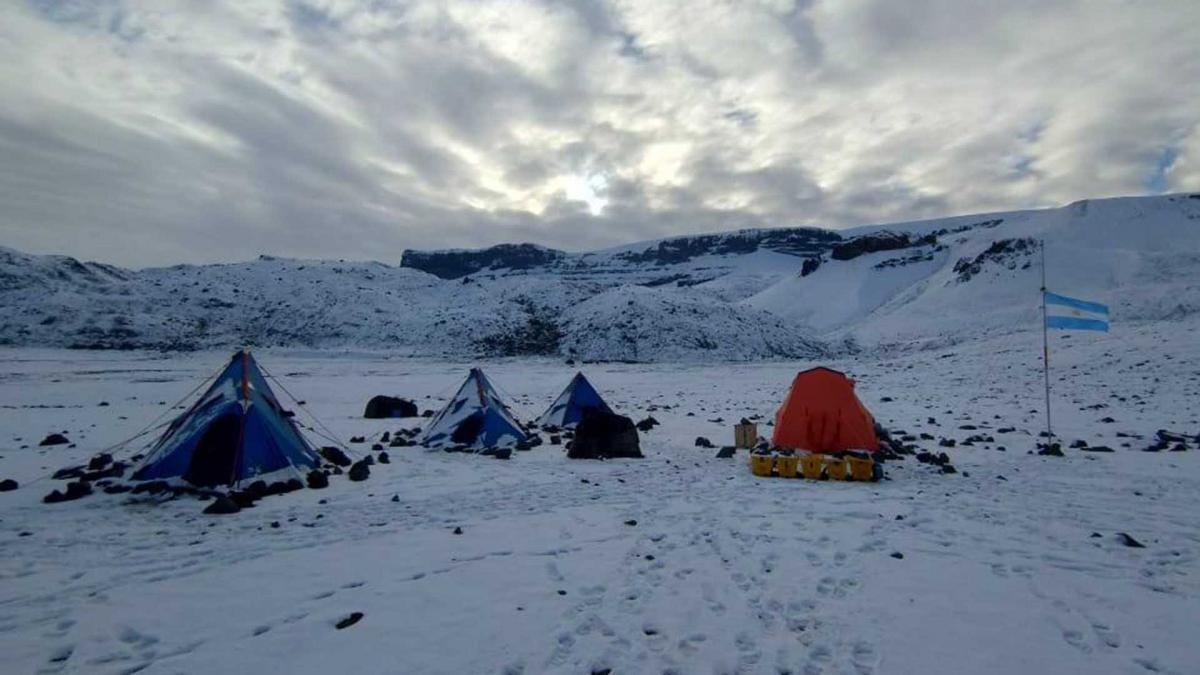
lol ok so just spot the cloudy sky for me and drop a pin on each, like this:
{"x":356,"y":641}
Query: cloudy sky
{"x":148,"y":132}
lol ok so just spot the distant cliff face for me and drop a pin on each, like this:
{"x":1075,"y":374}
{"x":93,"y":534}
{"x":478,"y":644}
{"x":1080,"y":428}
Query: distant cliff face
{"x":456,"y":264}
{"x":803,"y":242}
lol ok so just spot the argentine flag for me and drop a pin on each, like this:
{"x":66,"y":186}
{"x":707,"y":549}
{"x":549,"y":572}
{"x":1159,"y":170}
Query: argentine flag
{"x":1071,"y":314}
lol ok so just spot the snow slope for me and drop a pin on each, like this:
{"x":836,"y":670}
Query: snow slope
{"x":743,"y":295}
{"x":1139,"y":255}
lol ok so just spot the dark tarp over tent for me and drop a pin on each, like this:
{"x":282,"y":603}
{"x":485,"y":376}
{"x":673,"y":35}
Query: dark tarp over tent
{"x":234,"y":432}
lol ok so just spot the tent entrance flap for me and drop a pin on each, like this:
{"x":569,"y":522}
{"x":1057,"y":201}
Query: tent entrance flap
{"x":214,"y":456}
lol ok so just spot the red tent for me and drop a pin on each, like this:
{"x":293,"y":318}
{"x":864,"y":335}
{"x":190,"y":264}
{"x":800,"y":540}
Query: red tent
{"x":822,"y":414}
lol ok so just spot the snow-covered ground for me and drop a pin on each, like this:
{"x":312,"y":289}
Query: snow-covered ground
{"x":1013,"y":565}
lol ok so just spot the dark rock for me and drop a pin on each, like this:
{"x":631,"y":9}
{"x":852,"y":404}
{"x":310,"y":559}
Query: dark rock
{"x":8,"y":485}
{"x":1051,"y":450}
{"x":1078,"y":444}
{"x":222,"y":505}
{"x":384,"y":407}
{"x":335,"y":456}
{"x":359,"y":471}
{"x":702,"y":442}
{"x":603,"y":435}
{"x":726,"y":452}
{"x":647,"y":424}
{"x":898,"y":555}
{"x":54,"y":439}
{"x":358,"y":439}
{"x":151,"y":487}
{"x":283,"y":487}
{"x":317,"y":480}
{"x":384,"y":458}
{"x":257,"y":489}
{"x":1097,"y":448}
{"x":350,"y":620}
{"x":947,"y":443}
{"x":883,"y":240}
{"x":631,"y":523}
{"x":69,"y":472}
{"x":1130,"y":541}
{"x":1107,"y":420}
{"x":555,"y":439}
{"x":395,"y":498}
{"x":376,"y":447}
{"x":100,"y":461}
{"x":457,"y":530}
{"x":949,"y":468}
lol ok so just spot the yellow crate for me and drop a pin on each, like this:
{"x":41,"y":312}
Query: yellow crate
{"x":835,"y":468}
{"x":811,"y":466}
{"x":861,"y":468}
{"x":761,"y":465}
{"x":786,"y":466}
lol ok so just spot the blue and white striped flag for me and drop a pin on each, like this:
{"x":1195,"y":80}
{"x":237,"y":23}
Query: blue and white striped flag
{"x":1071,"y":314}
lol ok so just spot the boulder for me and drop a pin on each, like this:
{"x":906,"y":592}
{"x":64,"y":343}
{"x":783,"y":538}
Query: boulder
{"x":350,"y":620}
{"x":726,"y":452}
{"x":1129,"y":541}
{"x":1051,"y":450}
{"x":359,"y":471}
{"x":284,"y":487}
{"x":222,"y":505}
{"x":601,"y":435}
{"x":335,"y":456}
{"x":702,"y":442}
{"x":100,"y":461}
{"x":54,"y":439}
{"x":384,"y":407}
{"x":8,"y":485}
{"x":152,"y":487}
{"x":74,"y":491}
{"x":384,"y":458}
{"x":317,"y":480}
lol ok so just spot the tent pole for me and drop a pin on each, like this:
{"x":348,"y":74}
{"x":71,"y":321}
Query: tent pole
{"x":1046,"y":348}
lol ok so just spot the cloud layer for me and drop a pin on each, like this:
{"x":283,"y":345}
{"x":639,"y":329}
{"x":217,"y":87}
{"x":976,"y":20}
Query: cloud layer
{"x":158,"y":131}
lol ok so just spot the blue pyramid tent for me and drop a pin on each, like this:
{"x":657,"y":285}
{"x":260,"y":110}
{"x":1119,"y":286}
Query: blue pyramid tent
{"x":569,"y":408}
{"x":475,"y":417}
{"x":236,"y":431}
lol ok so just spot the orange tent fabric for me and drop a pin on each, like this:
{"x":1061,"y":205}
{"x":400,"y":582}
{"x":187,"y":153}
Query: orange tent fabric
{"x":822,"y":414}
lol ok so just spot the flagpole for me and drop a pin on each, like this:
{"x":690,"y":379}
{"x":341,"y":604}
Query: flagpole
{"x":1046,"y":348}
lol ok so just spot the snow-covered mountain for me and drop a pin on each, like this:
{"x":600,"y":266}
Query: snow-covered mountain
{"x":743,"y":295}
